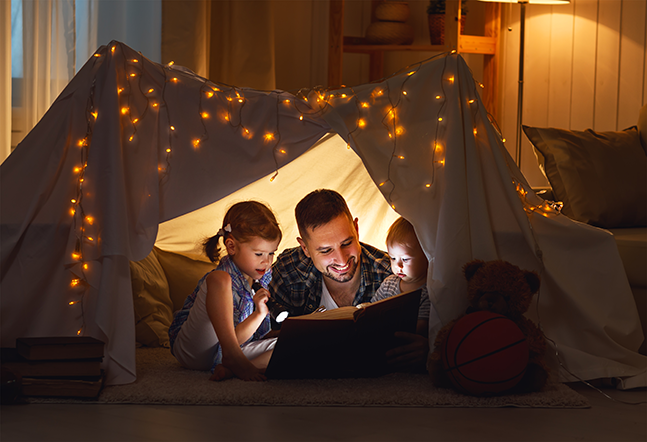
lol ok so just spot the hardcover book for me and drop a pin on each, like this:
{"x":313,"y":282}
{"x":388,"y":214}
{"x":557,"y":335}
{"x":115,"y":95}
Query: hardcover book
{"x":344,"y":342}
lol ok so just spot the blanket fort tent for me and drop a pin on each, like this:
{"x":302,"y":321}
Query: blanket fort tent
{"x":130,"y":144}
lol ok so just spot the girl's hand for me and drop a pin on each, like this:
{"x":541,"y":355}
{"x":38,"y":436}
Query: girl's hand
{"x":260,"y":301}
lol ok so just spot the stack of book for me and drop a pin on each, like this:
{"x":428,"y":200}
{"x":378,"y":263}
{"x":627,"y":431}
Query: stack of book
{"x":57,"y":366}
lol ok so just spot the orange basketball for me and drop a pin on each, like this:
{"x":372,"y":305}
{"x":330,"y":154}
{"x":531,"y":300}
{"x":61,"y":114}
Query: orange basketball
{"x":485,"y":354}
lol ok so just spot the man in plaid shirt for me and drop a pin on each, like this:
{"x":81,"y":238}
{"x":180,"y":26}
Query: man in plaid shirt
{"x":331,"y":268}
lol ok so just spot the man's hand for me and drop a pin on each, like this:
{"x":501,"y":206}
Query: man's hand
{"x":411,"y":355}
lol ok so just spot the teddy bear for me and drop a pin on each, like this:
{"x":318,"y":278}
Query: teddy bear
{"x":500,"y":287}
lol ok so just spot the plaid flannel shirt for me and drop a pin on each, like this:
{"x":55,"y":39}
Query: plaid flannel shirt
{"x":296,"y":283}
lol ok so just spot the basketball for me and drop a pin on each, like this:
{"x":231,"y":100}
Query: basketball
{"x":485,"y":354}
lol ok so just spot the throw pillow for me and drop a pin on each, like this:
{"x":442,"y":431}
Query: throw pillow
{"x":183,"y":272}
{"x":601,"y":177}
{"x":151,"y":301}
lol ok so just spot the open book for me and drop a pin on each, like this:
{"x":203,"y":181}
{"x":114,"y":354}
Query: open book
{"x":343,"y":342}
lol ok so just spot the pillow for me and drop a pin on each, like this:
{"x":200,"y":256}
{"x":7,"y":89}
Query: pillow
{"x":183,"y":272}
{"x":151,"y":301}
{"x":642,"y":126}
{"x":601,"y":177}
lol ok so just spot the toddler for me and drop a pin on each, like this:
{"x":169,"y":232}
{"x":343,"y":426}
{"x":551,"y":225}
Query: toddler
{"x":409,"y":266}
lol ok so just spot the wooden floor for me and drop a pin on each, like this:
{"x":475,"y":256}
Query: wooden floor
{"x":606,"y":420}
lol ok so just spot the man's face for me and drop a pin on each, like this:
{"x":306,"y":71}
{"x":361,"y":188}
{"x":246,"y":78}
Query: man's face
{"x":334,"y":248}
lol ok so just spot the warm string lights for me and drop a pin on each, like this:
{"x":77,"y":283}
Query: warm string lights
{"x":220,"y":104}
{"x":544,"y":208}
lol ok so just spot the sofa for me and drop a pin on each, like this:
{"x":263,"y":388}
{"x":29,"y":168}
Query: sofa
{"x":601,"y":178}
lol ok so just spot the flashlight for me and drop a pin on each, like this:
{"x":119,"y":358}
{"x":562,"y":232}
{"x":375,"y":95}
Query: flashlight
{"x":276,"y":311}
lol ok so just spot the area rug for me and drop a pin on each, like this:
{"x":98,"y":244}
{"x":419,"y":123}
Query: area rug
{"x":161,"y":380}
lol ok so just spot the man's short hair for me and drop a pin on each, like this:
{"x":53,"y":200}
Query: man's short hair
{"x":320,"y":207}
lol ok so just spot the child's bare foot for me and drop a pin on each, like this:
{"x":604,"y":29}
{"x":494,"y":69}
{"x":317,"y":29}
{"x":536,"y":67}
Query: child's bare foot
{"x":243,"y":369}
{"x":220,"y":373}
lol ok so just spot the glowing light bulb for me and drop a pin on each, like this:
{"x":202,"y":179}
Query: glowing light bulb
{"x":343,"y":95}
{"x":151,"y":90}
{"x":401,"y":157}
{"x":172,"y":127}
{"x":503,"y":139}
{"x":132,"y":137}
{"x":89,"y":219}
{"x":85,"y":266}
{"x":364,"y":104}
{"x":81,"y":143}
{"x":134,"y":60}
{"x":205,"y":115}
{"x":97,"y":55}
{"x":77,"y":169}
{"x":196,"y":142}
{"x":475,"y":131}
{"x":135,"y":120}
{"x":133,"y":74}
{"x":76,"y":255}
{"x":428,"y":185}
{"x":120,"y":90}
{"x":440,"y":118}
{"x":78,"y":332}
{"x":174,"y":80}
{"x":382,"y":183}
{"x":124,"y":110}
{"x":112,"y":49}
{"x":240,"y":100}
{"x":301,"y":117}
{"x":361,"y":122}
{"x":209,"y":94}
{"x":72,"y":302}
{"x":73,"y":201}
{"x":404,"y":92}
{"x":155,"y":104}
{"x":170,"y":63}
{"x":74,"y":283}
{"x":438,"y":97}
{"x":411,"y":73}
{"x":168,"y":150}
{"x":393,"y":206}
{"x":268,"y":136}
{"x":347,"y":145}
{"x":89,"y":238}
{"x":72,"y":212}
{"x":450,"y":79}
{"x":95,"y":114}
{"x":471,"y":101}
{"x":282,"y":151}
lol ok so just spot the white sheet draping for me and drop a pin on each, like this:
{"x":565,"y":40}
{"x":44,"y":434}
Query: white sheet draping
{"x":460,"y":196}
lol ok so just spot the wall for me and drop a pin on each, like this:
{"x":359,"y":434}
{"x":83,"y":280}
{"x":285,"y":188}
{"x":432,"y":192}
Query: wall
{"x":585,"y":67}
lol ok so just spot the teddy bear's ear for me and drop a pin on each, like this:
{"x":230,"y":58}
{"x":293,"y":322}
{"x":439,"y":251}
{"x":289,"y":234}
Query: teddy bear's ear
{"x":533,"y":281}
{"x":472,"y":267}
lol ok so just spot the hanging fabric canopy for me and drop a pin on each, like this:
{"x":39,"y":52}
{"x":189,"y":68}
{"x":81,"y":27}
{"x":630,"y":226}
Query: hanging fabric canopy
{"x":130,"y":144}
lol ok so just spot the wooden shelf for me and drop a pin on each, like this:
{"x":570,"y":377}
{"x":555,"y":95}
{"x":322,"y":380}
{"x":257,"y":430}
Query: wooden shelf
{"x":468,"y":44}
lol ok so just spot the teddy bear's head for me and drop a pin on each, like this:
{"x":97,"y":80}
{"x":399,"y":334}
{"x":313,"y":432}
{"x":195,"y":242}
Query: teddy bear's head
{"x":500,"y":287}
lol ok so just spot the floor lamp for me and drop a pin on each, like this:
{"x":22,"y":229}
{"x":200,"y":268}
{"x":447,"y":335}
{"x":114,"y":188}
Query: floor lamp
{"x":522,"y":37}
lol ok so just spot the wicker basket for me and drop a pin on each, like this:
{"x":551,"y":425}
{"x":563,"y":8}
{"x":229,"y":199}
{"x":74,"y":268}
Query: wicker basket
{"x":437,"y":28}
{"x":392,"y":11}
{"x":389,"y":33}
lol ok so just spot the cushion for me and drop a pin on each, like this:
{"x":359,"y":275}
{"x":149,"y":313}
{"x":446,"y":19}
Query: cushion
{"x":601,"y":177}
{"x":183,"y":272}
{"x":151,"y":301}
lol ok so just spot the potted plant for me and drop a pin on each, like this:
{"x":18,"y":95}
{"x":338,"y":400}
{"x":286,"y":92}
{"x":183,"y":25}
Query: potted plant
{"x":436,"y":16}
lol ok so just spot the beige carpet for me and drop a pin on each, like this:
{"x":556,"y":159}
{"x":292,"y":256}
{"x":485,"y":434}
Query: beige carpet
{"x":161,"y":380}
